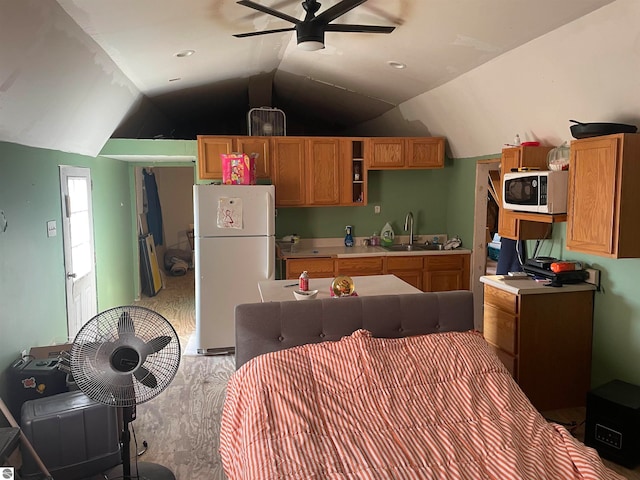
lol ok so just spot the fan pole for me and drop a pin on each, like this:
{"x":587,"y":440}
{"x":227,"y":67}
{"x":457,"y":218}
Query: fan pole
{"x":128,"y":414}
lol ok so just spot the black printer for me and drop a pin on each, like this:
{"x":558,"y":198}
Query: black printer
{"x":540,"y":267}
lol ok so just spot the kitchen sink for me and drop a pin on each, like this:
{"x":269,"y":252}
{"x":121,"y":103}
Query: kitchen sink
{"x":416,"y":247}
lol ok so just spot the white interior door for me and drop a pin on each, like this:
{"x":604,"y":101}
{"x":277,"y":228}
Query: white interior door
{"x":79,"y":258}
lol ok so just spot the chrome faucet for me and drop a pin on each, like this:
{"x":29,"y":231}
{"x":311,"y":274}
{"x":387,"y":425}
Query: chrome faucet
{"x":408,"y":226}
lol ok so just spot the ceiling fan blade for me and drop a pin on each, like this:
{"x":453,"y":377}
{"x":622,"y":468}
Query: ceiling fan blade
{"x":358,"y":28}
{"x":269,"y":11}
{"x":337,"y":10}
{"x":145,"y":377}
{"x":125,"y":325}
{"x":264,"y":32}
{"x":156,"y":344}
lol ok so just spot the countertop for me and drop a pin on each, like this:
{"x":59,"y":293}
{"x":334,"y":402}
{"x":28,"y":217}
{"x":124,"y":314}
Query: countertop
{"x":306,"y":251}
{"x":528,"y":286}
{"x":282,"y":290}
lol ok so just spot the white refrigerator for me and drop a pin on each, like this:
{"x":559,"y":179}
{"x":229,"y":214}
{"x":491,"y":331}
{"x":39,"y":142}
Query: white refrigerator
{"x":234,"y":232}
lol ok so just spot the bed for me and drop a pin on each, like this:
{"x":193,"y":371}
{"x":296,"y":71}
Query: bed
{"x":383,"y":387}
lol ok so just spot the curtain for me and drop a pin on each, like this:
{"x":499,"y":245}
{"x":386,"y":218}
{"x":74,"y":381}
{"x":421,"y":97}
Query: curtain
{"x":153,"y":210}
{"x":512,"y":255}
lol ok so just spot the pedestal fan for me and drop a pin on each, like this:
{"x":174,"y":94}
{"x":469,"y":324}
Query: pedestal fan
{"x":123,"y":357}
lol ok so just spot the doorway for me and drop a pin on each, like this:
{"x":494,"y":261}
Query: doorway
{"x":79,"y":247}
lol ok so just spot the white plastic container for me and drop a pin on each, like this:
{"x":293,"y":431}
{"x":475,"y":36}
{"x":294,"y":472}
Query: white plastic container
{"x":387,"y":235}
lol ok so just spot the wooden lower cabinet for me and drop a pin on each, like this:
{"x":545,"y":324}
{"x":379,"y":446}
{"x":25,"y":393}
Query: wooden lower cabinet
{"x":407,"y":268}
{"x":429,"y":273}
{"x":446,"y":272}
{"x":315,"y":267}
{"x":544,"y":340}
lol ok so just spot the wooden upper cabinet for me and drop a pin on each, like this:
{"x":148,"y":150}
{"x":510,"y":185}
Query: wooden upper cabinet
{"x":261,"y":146}
{"x":386,"y":153}
{"x":425,"y":152}
{"x":323,"y":171}
{"x":209,"y":150}
{"x":406,"y":152}
{"x":509,"y":225}
{"x":211,"y":146}
{"x":603,"y":202}
{"x":288,"y":170}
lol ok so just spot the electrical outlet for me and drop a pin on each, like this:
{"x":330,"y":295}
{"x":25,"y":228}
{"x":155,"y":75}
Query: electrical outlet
{"x":376,"y":209}
{"x":594,"y":277}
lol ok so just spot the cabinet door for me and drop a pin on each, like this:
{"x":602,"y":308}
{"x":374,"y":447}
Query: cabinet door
{"x":359,"y":266}
{"x":315,"y":267}
{"x":209,"y":150}
{"x":323,"y":171}
{"x":386,"y":153}
{"x":591,"y":222}
{"x":259,"y":145}
{"x":407,"y":268}
{"x":288,"y":156}
{"x":425,"y":152}
{"x":446,"y":272}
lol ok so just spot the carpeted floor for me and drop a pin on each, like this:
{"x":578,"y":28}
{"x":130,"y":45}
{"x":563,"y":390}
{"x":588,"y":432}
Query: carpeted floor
{"x":182,"y":424}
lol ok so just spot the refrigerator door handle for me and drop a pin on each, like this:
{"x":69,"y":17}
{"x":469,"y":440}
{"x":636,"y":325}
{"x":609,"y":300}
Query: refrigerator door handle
{"x":271,"y":260}
{"x":270,"y":213}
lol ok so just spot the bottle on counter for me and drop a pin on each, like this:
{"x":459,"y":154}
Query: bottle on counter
{"x":387,"y":235}
{"x":375,"y":239}
{"x":348,"y":239}
{"x":303,"y":282}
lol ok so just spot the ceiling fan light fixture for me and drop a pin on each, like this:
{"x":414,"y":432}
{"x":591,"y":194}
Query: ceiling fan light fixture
{"x":310,"y":45}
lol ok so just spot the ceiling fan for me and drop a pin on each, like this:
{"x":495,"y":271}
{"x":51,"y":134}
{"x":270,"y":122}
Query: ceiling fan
{"x":310,"y":31}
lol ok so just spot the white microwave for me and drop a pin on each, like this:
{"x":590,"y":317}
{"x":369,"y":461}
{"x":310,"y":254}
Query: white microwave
{"x":543,"y":191}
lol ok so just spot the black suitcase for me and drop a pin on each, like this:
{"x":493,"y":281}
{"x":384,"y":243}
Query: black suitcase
{"x":74,"y":436}
{"x":29,"y":379}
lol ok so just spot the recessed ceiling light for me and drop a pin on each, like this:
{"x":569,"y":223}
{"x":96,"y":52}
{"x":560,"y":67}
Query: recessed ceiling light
{"x":185,"y":53}
{"x":398,"y":65}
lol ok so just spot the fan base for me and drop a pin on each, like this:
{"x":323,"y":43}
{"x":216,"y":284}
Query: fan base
{"x":144,"y":471}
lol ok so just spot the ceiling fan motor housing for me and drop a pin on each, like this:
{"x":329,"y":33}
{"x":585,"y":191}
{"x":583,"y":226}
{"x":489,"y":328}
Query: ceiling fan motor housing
{"x":310,"y":32}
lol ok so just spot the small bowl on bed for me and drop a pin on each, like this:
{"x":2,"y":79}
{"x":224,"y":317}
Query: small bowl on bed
{"x":308,"y":295}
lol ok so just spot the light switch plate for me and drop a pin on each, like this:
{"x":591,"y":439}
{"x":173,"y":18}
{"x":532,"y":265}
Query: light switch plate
{"x":52,"y":229}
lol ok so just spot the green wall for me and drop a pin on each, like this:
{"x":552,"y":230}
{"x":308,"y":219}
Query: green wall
{"x":396,"y":191}
{"x":32,"y":277}
{"x":32,"y":290}
{"x":616,"y":328}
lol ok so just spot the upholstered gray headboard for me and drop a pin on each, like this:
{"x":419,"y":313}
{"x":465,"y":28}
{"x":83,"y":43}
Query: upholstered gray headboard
{"x":271,"y":326}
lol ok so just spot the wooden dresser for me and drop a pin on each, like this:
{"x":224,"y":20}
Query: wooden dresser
{"x":543,"y":336}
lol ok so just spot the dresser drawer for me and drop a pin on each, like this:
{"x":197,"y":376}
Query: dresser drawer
{"x":500,"y":329}
{"x":508,"y":360}
{"x":499,"y":298}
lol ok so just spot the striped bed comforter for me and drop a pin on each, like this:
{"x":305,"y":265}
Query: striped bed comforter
{"x":426,"y":407}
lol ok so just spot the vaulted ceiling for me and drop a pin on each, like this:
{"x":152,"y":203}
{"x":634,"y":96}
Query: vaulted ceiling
{"x":348,"y":82}
{"x":151,"y":91}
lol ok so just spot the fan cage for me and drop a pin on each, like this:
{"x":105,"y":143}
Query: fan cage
{"x":266,"y":121}
{"x":142,"y":331}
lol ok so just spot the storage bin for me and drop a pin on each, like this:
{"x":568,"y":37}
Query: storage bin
{"x":74,"y":436}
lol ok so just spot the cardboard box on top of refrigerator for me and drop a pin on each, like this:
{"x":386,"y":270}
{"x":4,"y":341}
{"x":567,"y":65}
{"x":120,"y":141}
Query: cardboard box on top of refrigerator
{"x":238,"y":168}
